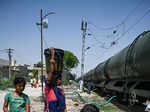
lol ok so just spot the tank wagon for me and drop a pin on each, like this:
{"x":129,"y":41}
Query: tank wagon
{"x":126,"y":74}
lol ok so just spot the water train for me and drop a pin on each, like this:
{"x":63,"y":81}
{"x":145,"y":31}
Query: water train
{"x":126,"y":74}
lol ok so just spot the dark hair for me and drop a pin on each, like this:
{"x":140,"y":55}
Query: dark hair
{"x":19,"y":79}
{"x":55,"y":78}
{"x":89,"y":108}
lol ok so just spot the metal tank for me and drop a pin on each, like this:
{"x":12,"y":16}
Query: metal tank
{"x":89,"y":76}
{"x":114,"y":67}
{"x":99,"y":72}
{"x":132,"y":62}
{"x":96,"y":75}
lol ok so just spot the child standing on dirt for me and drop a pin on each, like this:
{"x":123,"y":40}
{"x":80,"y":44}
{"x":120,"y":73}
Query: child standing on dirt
{"x":55,"y":98}
{"x":17,"y":101}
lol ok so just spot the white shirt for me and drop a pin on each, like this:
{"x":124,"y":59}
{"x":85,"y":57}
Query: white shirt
{"x":81,"y":82}
{"x":31,"y":80}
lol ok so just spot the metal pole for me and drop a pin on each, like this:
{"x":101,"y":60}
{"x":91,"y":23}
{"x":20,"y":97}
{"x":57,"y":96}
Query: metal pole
{"x":41,"y":24}
{"x":83,"y":28}
{"x":42,"y":49}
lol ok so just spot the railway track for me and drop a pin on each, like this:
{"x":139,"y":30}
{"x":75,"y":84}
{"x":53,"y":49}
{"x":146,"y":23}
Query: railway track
{"x":124,"y":105}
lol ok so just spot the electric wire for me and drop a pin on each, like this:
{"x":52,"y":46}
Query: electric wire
{"x":123,"y":22}
{"x":132,"y":26}
{"x":102,"y":44}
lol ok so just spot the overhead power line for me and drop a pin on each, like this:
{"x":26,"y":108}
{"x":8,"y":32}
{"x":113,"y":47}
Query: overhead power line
{"x":122,"y":22}
{"x":132,"y":26}
{"x":131,"y":12}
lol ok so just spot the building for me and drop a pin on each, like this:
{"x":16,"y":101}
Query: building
{"x":15,"y":69}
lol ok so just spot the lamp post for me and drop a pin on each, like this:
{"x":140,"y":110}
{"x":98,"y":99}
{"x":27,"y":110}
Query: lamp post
{"x":41,"y":25}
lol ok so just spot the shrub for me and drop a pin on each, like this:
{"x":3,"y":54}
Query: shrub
{"x":5,"y":83}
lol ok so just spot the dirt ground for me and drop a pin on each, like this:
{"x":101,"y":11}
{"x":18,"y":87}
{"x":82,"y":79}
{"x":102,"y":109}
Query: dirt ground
{"x":74,"y":104}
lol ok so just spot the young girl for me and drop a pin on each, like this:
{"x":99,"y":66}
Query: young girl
{"x":16,"y":100}
{"x":55,"y":98}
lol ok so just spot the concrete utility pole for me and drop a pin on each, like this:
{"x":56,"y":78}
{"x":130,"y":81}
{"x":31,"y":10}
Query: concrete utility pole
{"x":9,"y":51}
{"x":83,"y":28}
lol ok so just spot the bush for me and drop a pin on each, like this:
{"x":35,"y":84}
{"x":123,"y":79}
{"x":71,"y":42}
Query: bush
{"x":4,"y":83}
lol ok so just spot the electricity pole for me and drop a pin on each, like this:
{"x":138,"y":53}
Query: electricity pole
{"x":83,"y":28}
{"x":9,"y":51}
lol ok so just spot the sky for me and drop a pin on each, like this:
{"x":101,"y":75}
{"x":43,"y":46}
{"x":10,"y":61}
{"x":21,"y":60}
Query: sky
{"x":108,"y":21}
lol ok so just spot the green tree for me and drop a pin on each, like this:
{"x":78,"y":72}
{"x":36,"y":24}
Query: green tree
{"x":34,"y":72}
{"x":39,"y":64}
{"x":70,"y":60}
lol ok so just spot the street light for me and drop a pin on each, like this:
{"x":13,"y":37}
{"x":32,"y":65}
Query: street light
{"x":41,"y":25}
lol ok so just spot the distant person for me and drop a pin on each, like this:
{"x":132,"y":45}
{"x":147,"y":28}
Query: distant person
{"x":81,"y":85}
{"x":55,"y":98}
{"x":31,"y":82}
{"x":39,"y":83}
{"x":90,"y":108}
{"x":34,"y":82}
{"x":89,"y":86}
{"x":17,"y":101}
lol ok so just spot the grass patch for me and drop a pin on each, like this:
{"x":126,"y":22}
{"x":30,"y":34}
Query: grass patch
{"x":106,"y":108}
{"x":109,"y":109}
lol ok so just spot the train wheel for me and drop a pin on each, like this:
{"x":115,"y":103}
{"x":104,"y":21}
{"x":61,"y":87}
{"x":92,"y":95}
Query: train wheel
{"x":132,"y":98}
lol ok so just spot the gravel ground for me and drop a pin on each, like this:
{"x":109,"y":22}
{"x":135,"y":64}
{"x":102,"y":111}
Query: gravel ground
{"x":72,"y":101}
{"x":35,"y":98}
